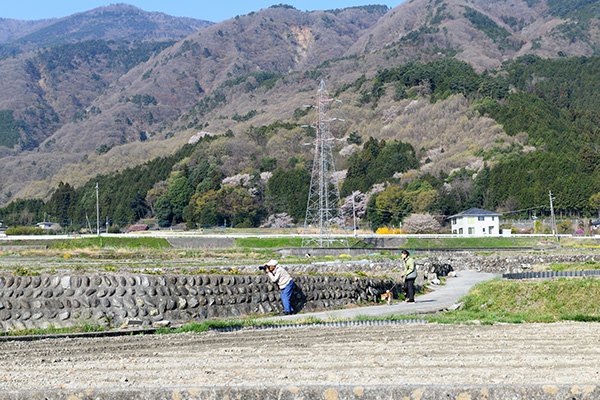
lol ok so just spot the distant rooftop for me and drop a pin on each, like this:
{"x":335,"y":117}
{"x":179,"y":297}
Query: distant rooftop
{"x":475,"y":212}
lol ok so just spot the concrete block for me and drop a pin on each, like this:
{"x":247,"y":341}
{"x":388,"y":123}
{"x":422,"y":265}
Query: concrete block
{"x":65,"y":282}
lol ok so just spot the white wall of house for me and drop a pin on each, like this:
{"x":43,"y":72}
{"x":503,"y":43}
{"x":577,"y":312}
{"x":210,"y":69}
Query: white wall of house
{"x":474,"y":225}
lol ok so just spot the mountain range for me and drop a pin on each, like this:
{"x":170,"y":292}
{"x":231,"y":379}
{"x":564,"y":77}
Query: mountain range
{"x":114,"y":87}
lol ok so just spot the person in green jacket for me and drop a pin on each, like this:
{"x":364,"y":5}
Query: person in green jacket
{"x":410,"y":274}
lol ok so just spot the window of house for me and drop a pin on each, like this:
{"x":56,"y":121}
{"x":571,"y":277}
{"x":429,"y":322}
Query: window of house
{"x":471,"y":231}
{"x":480,"y":218}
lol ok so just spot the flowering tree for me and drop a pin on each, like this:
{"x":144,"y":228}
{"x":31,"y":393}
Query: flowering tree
{"x":356,"y":203}
{"x":421,"y":223}
{"x":281,"y":220}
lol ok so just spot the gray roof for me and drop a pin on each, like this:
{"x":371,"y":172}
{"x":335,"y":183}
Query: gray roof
{"x":475,"y":212}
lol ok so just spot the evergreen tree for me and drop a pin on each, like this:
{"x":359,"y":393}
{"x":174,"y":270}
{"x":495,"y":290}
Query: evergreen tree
{"x":377,"y":162}
{"x":61,"y":204}
{"x":22,"y":212}
{"x":287,"y":192}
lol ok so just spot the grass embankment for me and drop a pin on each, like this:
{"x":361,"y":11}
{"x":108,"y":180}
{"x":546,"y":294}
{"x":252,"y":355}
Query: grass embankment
{"x":86,"y":328}
{"x":274,"y":243}
{"x":528,"y":301}
{"x":268,"y":243}
{"x":582,"y":266}
{"x":411,"y":243}
{"x":473,"y":243}
{"x":580,"y":242}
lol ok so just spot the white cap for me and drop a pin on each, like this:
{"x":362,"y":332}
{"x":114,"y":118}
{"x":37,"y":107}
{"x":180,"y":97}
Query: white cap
{"x":272,"y":263}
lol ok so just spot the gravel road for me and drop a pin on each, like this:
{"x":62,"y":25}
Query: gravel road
{"x":559,"y":353}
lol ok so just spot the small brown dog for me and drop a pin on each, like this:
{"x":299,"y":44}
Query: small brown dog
{"x":387,"y":296}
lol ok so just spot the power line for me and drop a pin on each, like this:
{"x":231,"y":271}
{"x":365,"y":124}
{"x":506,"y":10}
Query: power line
{"x":322,"y":209}
{"x":525,"y":209}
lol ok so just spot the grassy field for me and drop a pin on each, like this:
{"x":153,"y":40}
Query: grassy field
{"x":102,"y":242}
{"x":111,"y":242}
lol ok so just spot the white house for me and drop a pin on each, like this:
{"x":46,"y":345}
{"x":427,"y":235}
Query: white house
{"x":476,"y":222}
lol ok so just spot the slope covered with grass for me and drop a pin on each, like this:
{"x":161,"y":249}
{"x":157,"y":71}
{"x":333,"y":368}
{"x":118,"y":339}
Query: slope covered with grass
{"x":530,"y":301}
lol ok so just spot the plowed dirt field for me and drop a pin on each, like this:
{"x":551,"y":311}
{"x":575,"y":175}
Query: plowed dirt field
{"x":560,"y":353}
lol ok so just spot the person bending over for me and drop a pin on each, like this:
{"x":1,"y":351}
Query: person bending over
{"x":282,"y":278}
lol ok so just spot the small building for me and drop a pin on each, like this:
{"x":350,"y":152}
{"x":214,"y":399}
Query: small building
{"x":476,"y":222}
{"x":48,"y":226}
{"x":138,"y":228}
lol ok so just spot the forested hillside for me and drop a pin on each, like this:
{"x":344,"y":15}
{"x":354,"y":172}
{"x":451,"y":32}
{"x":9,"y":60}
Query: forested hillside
{"x":552,"y":101}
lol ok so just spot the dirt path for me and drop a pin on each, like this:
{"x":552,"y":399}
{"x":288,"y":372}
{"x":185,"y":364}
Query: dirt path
{"x":562,"y":353}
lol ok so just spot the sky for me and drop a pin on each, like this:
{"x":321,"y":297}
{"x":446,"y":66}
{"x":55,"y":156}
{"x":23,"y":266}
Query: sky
{"x":210,"y":10}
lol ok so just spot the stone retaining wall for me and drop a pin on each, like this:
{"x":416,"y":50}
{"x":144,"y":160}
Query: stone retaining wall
{"x":505,"y":263}
{"x":143,"y":300}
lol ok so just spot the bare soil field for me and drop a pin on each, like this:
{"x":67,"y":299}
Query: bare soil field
{"x":408,"y":354}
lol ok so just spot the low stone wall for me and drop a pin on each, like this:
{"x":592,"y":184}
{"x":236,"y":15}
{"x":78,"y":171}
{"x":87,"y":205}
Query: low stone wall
{"x":199,"y":242}
{"x":143,"y":300}
{"x":504,"y":263}
{"x":319,"y":392}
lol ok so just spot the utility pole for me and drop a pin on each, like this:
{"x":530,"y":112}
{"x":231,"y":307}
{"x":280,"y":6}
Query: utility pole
{"x":353,"y":214}
{"x":552,"y":218}
{"x":97,"y":211}
{"x":322,"y":210}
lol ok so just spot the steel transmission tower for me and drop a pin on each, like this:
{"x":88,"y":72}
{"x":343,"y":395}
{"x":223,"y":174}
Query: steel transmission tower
{"x":322,"y":210}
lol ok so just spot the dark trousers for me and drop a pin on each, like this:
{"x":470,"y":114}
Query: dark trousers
{"x":409,"y":289}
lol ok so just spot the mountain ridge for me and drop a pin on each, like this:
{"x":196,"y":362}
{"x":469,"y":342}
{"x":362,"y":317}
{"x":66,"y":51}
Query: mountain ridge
{"x":114,"y":22}
{"x":263,"y":67}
